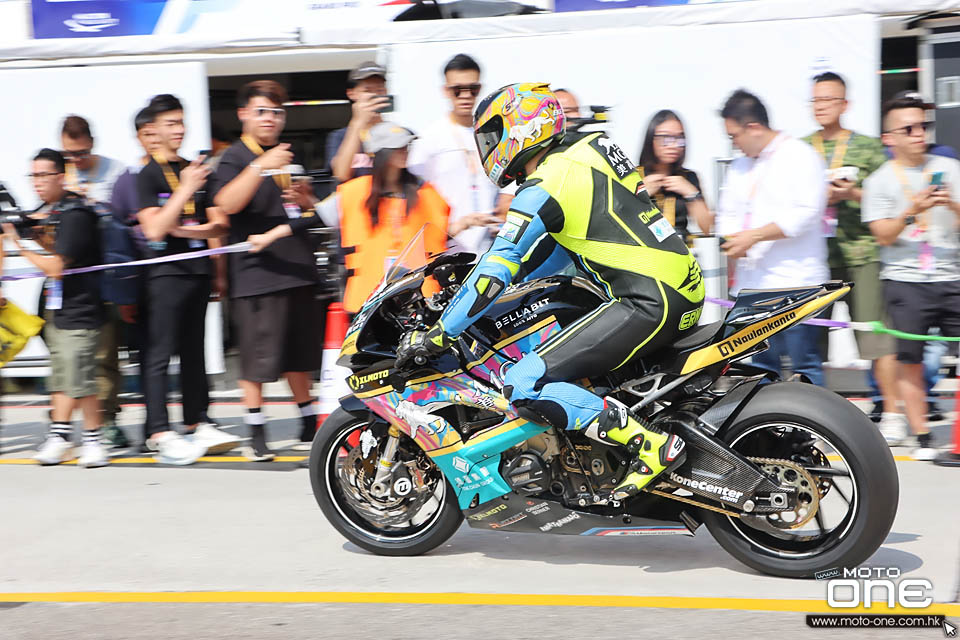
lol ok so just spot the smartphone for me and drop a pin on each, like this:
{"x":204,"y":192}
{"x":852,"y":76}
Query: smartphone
{"x":936,"y":180}
{"x":207,"y":153}
{"x":387,"y":107}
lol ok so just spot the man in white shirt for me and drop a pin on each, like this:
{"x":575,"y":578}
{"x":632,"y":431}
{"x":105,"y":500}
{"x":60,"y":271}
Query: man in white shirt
{"x":446,"y":156}
{"x":770,"y":212}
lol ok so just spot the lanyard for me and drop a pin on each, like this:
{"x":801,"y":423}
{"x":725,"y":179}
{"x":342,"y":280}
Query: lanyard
{"x":839,"y":151}
{"x":189,"y":207}
{"x":908,"y":191}
{"x":282,"y":179}
{"x":756,"y":174}
{"x":668,"y":207}
{"x":472,"y":158}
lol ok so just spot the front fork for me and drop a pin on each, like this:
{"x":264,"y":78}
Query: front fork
{"x":380,"y":487}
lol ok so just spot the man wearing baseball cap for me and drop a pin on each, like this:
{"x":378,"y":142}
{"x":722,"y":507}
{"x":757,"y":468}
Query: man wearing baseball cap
{"x":367,"y":90}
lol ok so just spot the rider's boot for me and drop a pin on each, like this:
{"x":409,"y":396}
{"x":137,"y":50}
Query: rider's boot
{"x":656,"y":451}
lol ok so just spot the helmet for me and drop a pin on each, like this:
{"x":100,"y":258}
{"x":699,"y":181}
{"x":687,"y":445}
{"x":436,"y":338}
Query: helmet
{"x":512,"y":125}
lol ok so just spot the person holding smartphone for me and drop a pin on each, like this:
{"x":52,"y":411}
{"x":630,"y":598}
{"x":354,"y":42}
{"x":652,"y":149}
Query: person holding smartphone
{"x":176,"y":217}
{"x":367,"y":90}
{"x":911,"y":206}
{"x":851,"y":249}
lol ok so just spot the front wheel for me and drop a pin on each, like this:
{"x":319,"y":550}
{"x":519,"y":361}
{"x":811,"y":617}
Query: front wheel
{"x":851,"y":503}
{"x":415,"y":513}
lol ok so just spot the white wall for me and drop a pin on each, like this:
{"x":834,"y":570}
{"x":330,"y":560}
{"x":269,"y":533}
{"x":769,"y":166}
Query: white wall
{"x":37,"y":100}
{"x":640,"y":70}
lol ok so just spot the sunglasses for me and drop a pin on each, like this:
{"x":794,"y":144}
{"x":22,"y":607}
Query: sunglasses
{"x":825,"y":100}
{"x":260,"y":112}
{"x":910,"y":129}
{"x":457,"y":89}
{"x":42,"y":174}
{"x":76,"y":155}
{"x":670,"y":140}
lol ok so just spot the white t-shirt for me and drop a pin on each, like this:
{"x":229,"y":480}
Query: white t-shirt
{"x":446,"y":156}
{"x":784,"y":185}
{"x":96,"y":185}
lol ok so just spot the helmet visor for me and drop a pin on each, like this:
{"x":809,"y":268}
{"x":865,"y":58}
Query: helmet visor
{"x":488,"y":136}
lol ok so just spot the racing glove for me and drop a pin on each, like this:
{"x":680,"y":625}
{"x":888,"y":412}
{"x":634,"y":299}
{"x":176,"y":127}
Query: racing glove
{"x":418,"y":346}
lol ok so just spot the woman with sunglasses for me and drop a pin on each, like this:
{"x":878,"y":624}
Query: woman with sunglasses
{"x":674,"y":189}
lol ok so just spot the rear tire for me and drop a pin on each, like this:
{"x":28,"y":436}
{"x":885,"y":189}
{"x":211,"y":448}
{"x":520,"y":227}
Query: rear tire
{"x":872,"y":471}
{"x":352,"y":525}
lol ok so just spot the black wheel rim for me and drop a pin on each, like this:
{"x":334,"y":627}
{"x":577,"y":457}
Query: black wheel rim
{"x":838,"y":506}
{"x":332,"y":460}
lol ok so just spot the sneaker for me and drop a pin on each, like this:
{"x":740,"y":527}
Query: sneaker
{"x":258,"y":451}
{"x":93,"y":455}
{"x":215,"y":440}
{"x":115,"y":436}
{"x":172,"y":448}
{"x":893,"y":428}
{"x":947,"y":459}
{"x":933,"y":412}
{"x":924,"y":454}
{"x":877,"y":412}
{"x":54,"y":450}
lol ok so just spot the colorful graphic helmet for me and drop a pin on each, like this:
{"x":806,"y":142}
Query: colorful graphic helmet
{"x":512,"y":124}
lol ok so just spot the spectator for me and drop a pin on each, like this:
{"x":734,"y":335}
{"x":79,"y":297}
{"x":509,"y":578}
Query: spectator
{"x":932,"y":351}
{"x":71,"y":307}
{"x":569,"y":103}
{"x":175,"y":218}
{"x":93,"y":177}
{"x":851,"y":248}
{"x":911,"y":207}
{"x":378,"y":214}
{"x":933,"y":148}
{"x":125,"y":205}
{"x":446,"y":156}
{"x":770,"y":213}
{"x":674,"y":189}
{"x":87,"y":173}
{"x":273,"y":293}
{"x":367,"y":90}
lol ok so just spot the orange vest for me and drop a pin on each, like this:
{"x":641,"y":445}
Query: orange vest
{"x":375,"y":247}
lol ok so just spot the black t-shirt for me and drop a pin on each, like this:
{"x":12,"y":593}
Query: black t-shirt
{"x":668,"y":201}
{"x":77,"y":241}
{"x":153,"y":191}
{"x":285,"y":264}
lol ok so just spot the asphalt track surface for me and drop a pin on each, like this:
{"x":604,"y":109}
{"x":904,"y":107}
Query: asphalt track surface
{"x":232,"y":549}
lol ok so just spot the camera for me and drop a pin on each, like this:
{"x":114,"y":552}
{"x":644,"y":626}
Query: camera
{"x":20,"y":220}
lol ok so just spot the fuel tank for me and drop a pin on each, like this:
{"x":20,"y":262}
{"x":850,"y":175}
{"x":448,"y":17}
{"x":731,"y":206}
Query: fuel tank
{"x":522,"y":307}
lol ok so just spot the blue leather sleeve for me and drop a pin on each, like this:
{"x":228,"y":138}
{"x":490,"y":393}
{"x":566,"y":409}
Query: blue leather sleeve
{"x":500,"y":265}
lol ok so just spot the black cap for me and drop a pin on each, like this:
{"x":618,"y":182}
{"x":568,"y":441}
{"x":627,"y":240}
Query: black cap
{"x":915,"y":95}
{"x":366,"y":70}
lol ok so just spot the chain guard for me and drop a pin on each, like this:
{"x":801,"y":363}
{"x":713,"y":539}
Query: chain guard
{"x":800,"y":479}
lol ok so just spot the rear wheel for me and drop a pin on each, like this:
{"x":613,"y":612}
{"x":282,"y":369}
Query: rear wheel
{"x":855,"y":492}
{"x":417,"y":512}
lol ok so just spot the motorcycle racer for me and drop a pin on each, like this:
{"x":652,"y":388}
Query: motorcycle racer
{"x":581,"y":200}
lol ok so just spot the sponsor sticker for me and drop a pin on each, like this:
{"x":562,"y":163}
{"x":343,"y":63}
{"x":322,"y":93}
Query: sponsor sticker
{"x":662,"y":229}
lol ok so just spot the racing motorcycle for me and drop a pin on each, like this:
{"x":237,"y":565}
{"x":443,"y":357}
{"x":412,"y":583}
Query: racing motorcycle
{"x":788,"y":477}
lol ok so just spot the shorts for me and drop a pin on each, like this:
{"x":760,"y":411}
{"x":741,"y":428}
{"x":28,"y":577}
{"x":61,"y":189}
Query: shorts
{"x":278,"y":332}
{"x":72,"y":359}
{"x":916,"y":307}
{"x":866,"y":303}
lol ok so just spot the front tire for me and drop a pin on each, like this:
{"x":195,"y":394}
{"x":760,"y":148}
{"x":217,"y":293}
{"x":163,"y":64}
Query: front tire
{"x":327,"y":452}
{"x":793,"y":407}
